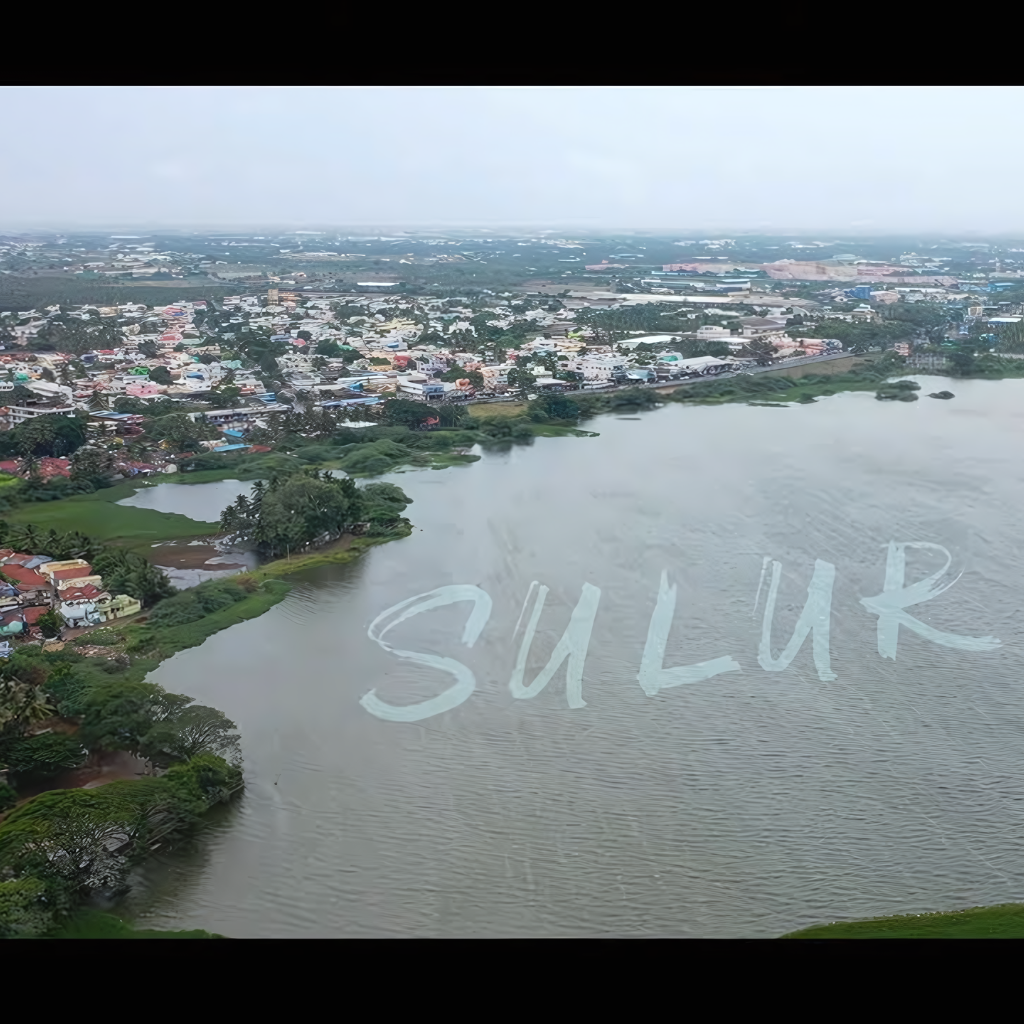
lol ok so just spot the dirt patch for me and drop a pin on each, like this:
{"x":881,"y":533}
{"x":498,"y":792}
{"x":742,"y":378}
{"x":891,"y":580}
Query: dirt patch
{"x":88,"y":651}
{"x":192,"y":556}
{"x":101,"y":768}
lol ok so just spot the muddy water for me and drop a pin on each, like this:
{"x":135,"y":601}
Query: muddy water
{"x":788,"y":790}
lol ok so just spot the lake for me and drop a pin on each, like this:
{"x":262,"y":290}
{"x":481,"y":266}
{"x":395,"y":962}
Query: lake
{"x":749,"y":803}
{"x":202,"y":502}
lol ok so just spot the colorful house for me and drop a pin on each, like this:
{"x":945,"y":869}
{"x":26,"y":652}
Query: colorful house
{"x":118,"y":607}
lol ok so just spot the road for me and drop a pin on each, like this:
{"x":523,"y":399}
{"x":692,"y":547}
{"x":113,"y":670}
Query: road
{"x":665,"y":384}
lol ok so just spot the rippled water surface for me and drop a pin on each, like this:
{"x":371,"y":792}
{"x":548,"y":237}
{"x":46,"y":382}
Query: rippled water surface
{"x":202,"y":502}
{"x":750,"y":804}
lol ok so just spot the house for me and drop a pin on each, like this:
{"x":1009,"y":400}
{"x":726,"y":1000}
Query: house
{"x":80,"y":612}
{"x":28,"y":561}
{"x":13,"y":415}
{"x":47,"y":569}
{"x":28,"y":581}
{"x":416,"y":385}
{"x":65,"y":587}
{"x":144,"y":390}
{"x":71,"y":573}
{"x":601,"y":368}
{"x":33,"y":614}
{"x":46,"y":468}
{"x":11,"y":623}
{"x":648,"y":339}
{"x":242,"y":416}
{"x":759,"y":326}
{"x":117,"y":607}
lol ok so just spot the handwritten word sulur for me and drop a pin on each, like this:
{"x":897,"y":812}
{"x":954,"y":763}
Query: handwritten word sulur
{"x":890,"y":607}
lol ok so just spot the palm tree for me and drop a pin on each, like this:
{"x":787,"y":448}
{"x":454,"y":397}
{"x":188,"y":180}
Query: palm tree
{"x":21,"y":705}
{"x":27,"y":537}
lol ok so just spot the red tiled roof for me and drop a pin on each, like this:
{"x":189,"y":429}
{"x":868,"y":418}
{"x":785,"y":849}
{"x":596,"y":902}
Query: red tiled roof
{"x":260,"y":448}
{"x":22,"y":576}
{"x":32,"y":614}
{"x":72,"y":574}
{"x":87,"y":593}
{"x":54,"y":467}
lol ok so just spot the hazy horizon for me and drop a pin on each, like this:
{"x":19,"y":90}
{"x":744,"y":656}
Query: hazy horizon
{"x":857,"y":161}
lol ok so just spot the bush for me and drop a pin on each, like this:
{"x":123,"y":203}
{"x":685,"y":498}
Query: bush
{"x":25,"y":911}
{"x":507,"y":428}
{"x":193,"y":604}
{"x":64,"y":681}
{"x":102,"y":637}
{"x":316,"y":453}
{"x":255,"y":467}
{"x":50,"y":624}
{"x":42,"y":756}
{"x":375,"y":457}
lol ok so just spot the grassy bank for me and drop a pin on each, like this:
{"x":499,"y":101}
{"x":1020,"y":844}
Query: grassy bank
{"x":486,"y":410}
{"x":92,"y":924}
{"x":152,"y":644}
{"x":762,"y":389}
{"x":339,"y":553}
{"x":97,"y":515}
{"x":1001,"y":922}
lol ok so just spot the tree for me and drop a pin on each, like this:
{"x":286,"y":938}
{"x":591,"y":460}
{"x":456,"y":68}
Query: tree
{"x":761,"y":351}
{"x":125,"y":572}
{"x":229,"y":395}
{"x":292,"y":512}
{"x":178,"y":428}
{"x":69,"y":837}
{"x":47,"y":435}
{"x":475,"y":377}
{"x":192,"y":731}
{"x":555,"y":406}
{"x":92,"y":465}
{"x":119,"y":714}
{"x":43,"y":755}
{"x":50,"y":624}
{"x":161,"y":375}
{"x":406,"y":413}
{"x":521,"y":381}
{"x":21,"y":704}
{"x":385,"y":504}
{"x":964,"y":358}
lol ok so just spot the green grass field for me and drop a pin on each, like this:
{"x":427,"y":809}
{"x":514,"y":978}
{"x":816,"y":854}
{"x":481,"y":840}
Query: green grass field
{"x":1001,"y":922}
{"x":97,"y":515}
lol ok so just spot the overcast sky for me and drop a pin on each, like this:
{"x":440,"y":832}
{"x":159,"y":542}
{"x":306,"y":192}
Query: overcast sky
{"x":876,"y":160}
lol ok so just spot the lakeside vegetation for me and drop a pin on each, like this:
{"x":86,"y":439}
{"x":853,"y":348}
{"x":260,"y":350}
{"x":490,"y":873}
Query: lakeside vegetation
{"x":1005,"y":921}
{"x":63,"y":847}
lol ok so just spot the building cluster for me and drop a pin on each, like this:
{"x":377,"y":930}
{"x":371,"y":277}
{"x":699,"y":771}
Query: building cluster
{"x":237,"y":362}
{"x":33,"y":585}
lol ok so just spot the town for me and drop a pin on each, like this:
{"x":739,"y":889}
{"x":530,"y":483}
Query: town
{"x":236,"y":361}
{"x":106,"y":392}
